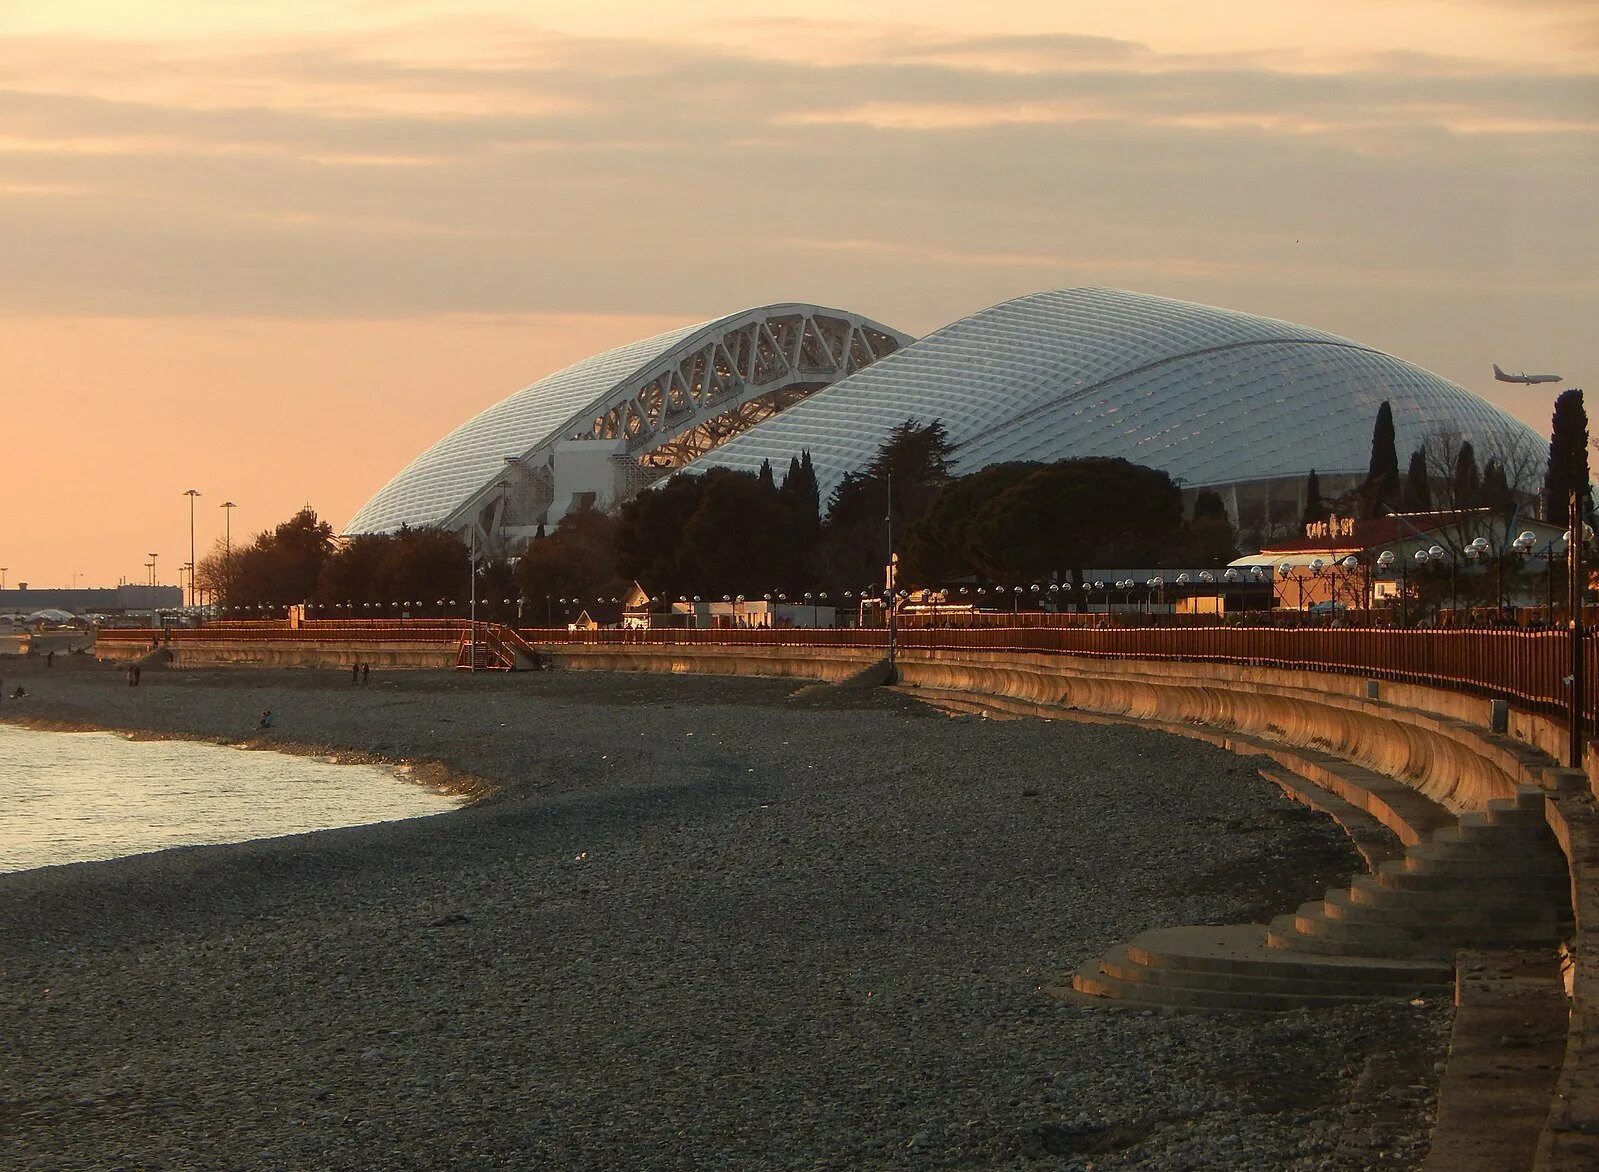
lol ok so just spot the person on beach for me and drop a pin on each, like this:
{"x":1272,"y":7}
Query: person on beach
{"x":355,"y":673}
{"x":266,"y":719}
{"x":50,"y":659}
{"x":366,"y":672}
{"x":133,"y":676}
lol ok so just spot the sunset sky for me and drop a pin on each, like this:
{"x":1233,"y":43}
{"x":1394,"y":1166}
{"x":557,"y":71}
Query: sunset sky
{"x":272,"y":250}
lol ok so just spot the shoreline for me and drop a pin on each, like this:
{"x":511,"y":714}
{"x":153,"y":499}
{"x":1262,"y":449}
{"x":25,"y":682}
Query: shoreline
{"x":435,"y":776}
{"x":696,"y":925}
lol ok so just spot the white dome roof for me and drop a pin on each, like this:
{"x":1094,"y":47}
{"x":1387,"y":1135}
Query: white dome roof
{"x":1208,"y":395}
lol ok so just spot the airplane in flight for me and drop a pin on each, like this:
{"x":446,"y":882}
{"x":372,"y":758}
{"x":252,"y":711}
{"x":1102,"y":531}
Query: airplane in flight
{"x":1528,"y":379}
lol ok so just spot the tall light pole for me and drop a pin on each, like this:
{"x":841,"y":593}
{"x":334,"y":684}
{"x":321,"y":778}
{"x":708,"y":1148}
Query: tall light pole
{"x":1576,"y":536}
{"x":891,"y":580}
{"x":227,"y":548}
{"x":191,"y":494}
{"x":2,"y":577}
{"x":152,"y":575}
{"x":471,"y":560}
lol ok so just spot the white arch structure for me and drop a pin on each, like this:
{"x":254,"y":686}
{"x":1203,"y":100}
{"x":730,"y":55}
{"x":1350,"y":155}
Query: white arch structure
{"x":599,"y":431}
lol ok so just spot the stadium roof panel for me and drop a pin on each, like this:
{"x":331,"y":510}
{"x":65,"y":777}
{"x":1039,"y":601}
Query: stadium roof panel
{"x":1209,"y":395}
{"x":646,"y":393}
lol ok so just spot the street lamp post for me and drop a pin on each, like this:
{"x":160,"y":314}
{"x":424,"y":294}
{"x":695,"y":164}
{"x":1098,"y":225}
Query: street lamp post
{"x":1576,"y":537}
{"x":191,"y":494}
{"x":891,"y":578}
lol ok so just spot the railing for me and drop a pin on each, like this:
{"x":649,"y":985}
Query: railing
{"x":1529,"y":667}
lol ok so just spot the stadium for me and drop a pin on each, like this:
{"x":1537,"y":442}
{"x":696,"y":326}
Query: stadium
{"x":1221,"y":400}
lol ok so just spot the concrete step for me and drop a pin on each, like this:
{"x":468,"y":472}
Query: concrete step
{"x":1091,"y":979}
{"x":1474,"y":828}
{"x":1376,"y":938}
{"x":1303,"y":931}
{"x":1430,"y":915}
{"x":1488,"y":849}
{"x":1408,"y":813}
{"x":1370,"y":978}
{"x":1428,"y":860}
{"x":1420,"y":892}
{"x":1242,"y":950}
{"x":1433,"y":875}
{"x":1375,"y":842}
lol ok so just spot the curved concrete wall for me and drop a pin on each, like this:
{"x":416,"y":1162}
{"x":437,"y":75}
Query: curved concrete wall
{"x":1411,"y":736}
{"x":287,"y":653}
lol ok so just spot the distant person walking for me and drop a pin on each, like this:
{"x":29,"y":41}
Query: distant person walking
{"x":133,"y":676}
{"x":355,"y":673}
{"x":50,"y":659}
{"x":366,"y":672}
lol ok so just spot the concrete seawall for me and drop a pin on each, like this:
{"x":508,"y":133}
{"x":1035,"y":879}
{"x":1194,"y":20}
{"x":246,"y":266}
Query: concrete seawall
{"x":1434,"y":740}
{"x":1438,"y":741}
{"x":289,"y":653}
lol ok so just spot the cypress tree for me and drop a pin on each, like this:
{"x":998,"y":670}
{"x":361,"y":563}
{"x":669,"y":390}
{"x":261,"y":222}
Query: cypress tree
{"x":1418,"y":491}
{"x":811,"y":493}
{"x":1467,"y":482}
{"x":1382,"y":476}
{"x":1208,"y":506}
{"x":1568,"y":457}
{"x":766,"y":478}
{"x":1496,"y":492}
{"x":1316,"y":509}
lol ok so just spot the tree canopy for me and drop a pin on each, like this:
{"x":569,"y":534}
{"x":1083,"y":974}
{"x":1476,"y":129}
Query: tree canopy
{"x":1014,"y":523}
{"x":1568,"y":457}
{"x":1381,"y":489}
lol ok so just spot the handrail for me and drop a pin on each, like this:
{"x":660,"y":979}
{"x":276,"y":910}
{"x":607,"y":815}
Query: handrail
{"x":1530,"y":667}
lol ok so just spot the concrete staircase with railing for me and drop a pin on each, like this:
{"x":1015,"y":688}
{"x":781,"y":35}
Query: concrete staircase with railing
{"x":1492,"y":879}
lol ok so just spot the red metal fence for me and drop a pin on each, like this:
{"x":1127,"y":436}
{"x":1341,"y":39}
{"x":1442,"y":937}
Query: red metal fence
{"x":1529,"y":667}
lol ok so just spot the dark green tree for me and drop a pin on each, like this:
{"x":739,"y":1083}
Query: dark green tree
{"x":1380,"y":492}
{"x":355,"y":572}
{"x":1209,"y":537}
{"x":1568,"y":457}
{"x":424,"y":565}
{"x":1316,"y":509}
{"x":766,"y":474}
{"x":853,"y":547}
{"x":1495,"y":492}
{"x":744,"y":538}
{"x":578,"y":560}
{"x":1417,"y":496}
{"x":1072,"y":514}
{"x":649,"y":535}
{"x":937,"y":548}
{"x":802,"y":496}
{"x":1466,"y":486}
{"x":1208,"y":506}
{"x":281,"y":567}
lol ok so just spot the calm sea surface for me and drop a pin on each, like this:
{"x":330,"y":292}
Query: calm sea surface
{"x":69,"y":797}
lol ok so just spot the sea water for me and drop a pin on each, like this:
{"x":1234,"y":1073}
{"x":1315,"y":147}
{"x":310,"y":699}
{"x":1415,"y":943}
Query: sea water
{"x":71,"y":797}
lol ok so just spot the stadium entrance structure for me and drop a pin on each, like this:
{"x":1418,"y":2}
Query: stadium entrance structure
{"x":598,"y":432}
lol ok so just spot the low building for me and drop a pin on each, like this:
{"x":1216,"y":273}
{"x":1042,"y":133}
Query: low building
{"x":1359,"y":564}
{"x":23,"y":599}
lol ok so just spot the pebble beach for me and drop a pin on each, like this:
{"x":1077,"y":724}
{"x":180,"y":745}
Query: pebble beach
{"x":685,"y":923}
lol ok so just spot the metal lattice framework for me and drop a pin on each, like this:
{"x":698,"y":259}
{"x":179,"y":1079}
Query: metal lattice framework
{"x":654,"y":405}
{"x":756,"y":367}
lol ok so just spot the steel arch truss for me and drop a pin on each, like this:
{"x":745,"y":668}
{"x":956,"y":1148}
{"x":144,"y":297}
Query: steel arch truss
{"x":715,"y":388}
